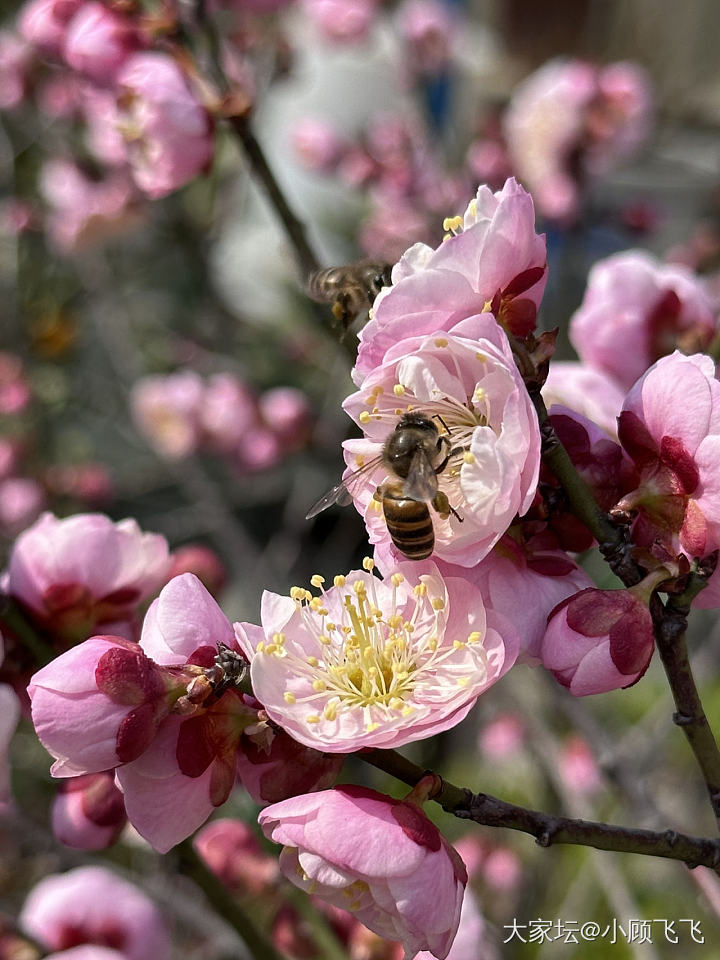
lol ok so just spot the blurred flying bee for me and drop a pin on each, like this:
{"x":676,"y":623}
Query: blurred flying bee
{"x":415,"y":453}
{"x":351,"y":289}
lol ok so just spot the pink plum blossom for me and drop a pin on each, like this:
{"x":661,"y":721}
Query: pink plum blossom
{"x":468,"y":380}
{"x":571,"y":119}
{"x":586,"y":390}
{"x":88,"y":812}
{"x":260,"y":450}
{"x":167,"y":410}
{"x":99,"y":41}
{"x":429,"y":30}
{"x":670,"y":427}
{"x":287,"y":412}
{"x":82,"y":209}
{"x":598,"y":640}
{"x":317,"y":143}
{"x":43,"y":23}
{"x":200,"y":560}
{"x":381,"y":859}
{"x":231,"y":849}
{"x":92,"y":905}
{"x":341,"y":21}
{"x":21,"y":500}
{"x":75,"y":574}
{"x":169,"y":132}
{"x":15,"y":392}
{"x":578,"y":768}
{"x":636,"y":310}
{"x":493,"y":257}
{"x":374,"y":663}
{"x":503,"y":737}
{"x":227,"y":412}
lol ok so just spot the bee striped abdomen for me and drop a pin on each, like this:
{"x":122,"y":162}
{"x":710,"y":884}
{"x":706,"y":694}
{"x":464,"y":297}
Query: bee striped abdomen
{"x":409,"y":524}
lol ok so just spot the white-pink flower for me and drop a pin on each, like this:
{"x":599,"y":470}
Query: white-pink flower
{"x":92,"y":905}
{"x":492,"y":257}
{"x":468,"y":381}
{"x":374,"y":663}
{"x":381,"y":859}
{"x":168,"y":131}
{"x":636,"y":310}
{"x":167,"y":410}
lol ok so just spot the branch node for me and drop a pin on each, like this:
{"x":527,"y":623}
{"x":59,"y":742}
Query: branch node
{"x":684,"y":720}
{"x":671,"y":837}
{"x":544,"y":838}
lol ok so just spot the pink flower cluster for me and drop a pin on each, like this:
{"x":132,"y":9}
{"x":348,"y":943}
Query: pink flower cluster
{"x":182,"y":414}
{"x":570,"y":121}
{"x":22,"y":497}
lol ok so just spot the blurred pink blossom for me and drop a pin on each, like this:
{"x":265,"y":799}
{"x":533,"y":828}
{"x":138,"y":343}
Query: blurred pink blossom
{"x":231,"y":849}
{"x":429,"y":29}
{"x":261,"y":449}
{"x":76,"y":574}
{"x":286,"y":411}
{"x":82,"y":209}
{"x":60,"y":95}
{"x":44,"y":23}
{"x":15,"y":394}
{"x":227,"y":412}
{"x":88,"y":812}
{"x":322,"y":708}
{"x":99,"y":41}
{"x":89,"y":482}
{"x":92,"y":905}
{"x":317,"y":143}
{"x":381,"y":859}
{"x":341,"y":21}
{"x":21,"y":501}
{"x":103,"y":134}
{"x":502,"y":870}
{"x":598,"y":640}
{"x":502,"y":737}
{"x":578,"y":768}
{"x":167,"y":129}
{"x":9,"y":457}
{"x":16,"y":58}
{"x":203,"y":562}
{"x":167,"y":410}
{"x":636,"y":310}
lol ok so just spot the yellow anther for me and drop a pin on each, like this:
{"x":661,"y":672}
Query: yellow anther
{"x":313,"y":661}
{"x":297,"y":593}
{"x":472,"y":207}
{"x":317,"y":581}
{"x":325,"y":641}
{"x":474,"y":637}
{"x":482,"y":357}
{"x":440,"y":342}
{"x":487,"y":307}
{"x":359,"y":460}
{"x":458,"y":644}
{"x":319,"y":685}
{"x":364,"y":417}
{"x":463,"y":681}
{"x":408,"y":710}
{"x":432,"y":644}
{"x":312,"y":718}
{"x":398,"y":390}
{"x":395,"y":621}
{"x":438,"y":603}
{"x":370,"y":727}
{"x":339,"y":581}
{"x":330,"y":627}
{"x":396,"y":703}
{"x":315,"y":604}
{"x":289,"y":697}
{"x":420,"y":589}
{"x":368,"y":563}
{"x":398,"y":411}
{"x":346,"y":630}
{"x":271,"y":648}
{"x":376,"y":410}
{"x":279,"y":638}
{"x":375,"y":505}
{"x":468,"y":457}
{"x":359,"y":588}
{"x":370,"y":399}
{"x":396,"y":579}
{"x":408,"y":627}
{"x":260,"y":647}
{"x":330,"y":711}
{"x":452,"y":223}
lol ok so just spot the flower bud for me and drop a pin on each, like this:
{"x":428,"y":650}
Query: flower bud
{"x":598,"y":640}
{"x":88,"y":812}
{"x":233,"y":852}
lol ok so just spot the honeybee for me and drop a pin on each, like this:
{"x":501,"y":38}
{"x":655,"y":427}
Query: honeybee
{"x":351,"y":289}
{"x":415,"y":453}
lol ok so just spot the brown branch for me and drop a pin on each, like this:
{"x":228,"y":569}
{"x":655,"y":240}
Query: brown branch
{"x":549,"y":829}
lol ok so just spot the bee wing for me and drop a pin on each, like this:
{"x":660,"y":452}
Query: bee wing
{"x":342,"y":493}
{"x":421,"y":482}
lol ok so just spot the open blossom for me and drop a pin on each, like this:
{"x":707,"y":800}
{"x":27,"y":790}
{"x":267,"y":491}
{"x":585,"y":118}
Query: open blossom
{"x":570,"y":119}
{"x":670,"y":427}
{"x":381,"y":859}
{"x":98,"y":41}
{"x":169,"y":132}
{"x":468,"y":380}
{"x":75,"y":574}
{"x":374,"y":663}
{"x":598,"y":640}
{"x":493,"y":257}
{"x":88,"y":812}
{"x":92,"y":905}
{"x":167,"y":410}
{"x":636,"y":310}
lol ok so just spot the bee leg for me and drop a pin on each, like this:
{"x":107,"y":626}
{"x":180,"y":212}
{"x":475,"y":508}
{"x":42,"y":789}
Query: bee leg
{"x":441,"y":503}
{"x":341,"y":310}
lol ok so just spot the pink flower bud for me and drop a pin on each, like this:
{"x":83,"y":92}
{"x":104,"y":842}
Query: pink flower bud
{"x":15,"y":62}
{"x":168,"y":130}
{"x":233,"y":852}
{"x":381,"y":859}
{"x":598,"y":640}
{"x":341,"y":21}
{"x":287,"y":412}
{"x":99,"y":41}
{"x":284,"y":769}
{"x":88,"y":812}
{"x":92,"y":905}
{"x":578,"y":768}
{"x":203,"y":562}
{"x":21,"y":500}
{"x":227,"y":412}
{"x":317,"y":144}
